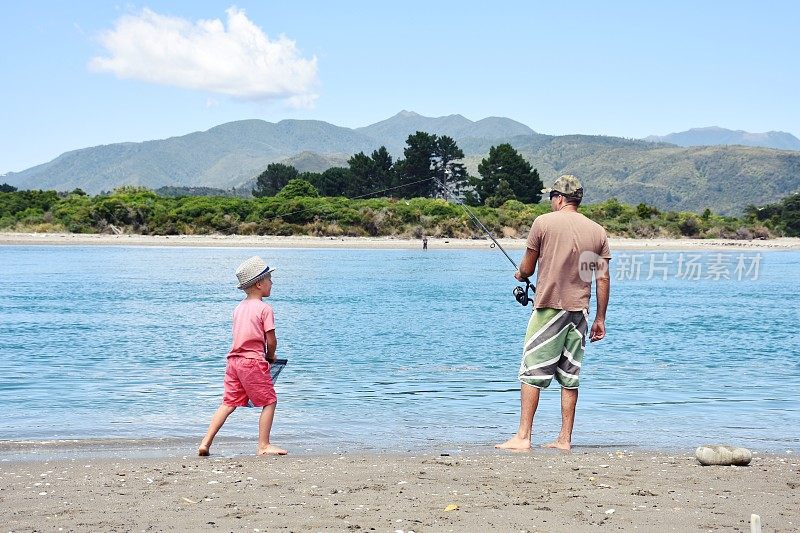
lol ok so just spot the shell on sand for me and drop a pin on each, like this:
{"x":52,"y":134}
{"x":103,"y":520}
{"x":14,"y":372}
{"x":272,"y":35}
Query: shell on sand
{"x":717,"y":454}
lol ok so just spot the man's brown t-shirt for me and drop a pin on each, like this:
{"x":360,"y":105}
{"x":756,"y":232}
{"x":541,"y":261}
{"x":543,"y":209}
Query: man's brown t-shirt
{"x":560,"y":238}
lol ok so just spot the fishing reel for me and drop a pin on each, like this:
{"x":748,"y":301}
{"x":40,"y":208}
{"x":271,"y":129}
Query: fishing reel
{"x":522,"y":294}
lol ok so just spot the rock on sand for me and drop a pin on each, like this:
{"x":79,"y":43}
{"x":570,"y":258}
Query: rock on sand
{"x":723,"y":455}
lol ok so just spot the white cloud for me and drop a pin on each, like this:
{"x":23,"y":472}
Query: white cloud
{"x":240,"y":61}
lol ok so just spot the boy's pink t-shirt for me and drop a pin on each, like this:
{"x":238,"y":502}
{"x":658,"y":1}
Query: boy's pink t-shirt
{"x":252,"y":318}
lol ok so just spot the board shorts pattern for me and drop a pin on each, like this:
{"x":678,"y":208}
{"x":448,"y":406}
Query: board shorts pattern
{"x":248,"y":382}
{"x":554,"y":344}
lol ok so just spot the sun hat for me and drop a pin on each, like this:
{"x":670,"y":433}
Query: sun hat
{"x":567,"y":185}
{"x":252,"y":271}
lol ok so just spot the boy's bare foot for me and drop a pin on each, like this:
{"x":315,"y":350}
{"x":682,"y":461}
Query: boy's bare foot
{"x":559,"y":445}
{"x":515,"y":443}
{"x":204,"y":451}
{"x":272,"y":450}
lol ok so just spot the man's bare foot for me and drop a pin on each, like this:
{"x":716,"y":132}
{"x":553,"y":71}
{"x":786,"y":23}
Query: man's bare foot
{"x":559,"y":445}
{"x":272,"y":450}
{"x":204,"y":451}
{"x":515,"y":443}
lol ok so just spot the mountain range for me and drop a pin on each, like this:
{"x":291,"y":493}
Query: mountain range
{"x":722,"y":178}
{"x":714,"y":135}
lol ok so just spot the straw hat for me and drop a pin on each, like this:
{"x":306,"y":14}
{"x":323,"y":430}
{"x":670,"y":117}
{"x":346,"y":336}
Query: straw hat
{"x":252,"y":271}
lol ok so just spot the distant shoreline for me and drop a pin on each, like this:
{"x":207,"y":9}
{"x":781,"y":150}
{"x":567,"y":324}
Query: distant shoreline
{"x":302,"y":241}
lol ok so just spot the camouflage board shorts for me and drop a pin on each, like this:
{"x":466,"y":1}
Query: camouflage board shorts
{"x":554,"y":346}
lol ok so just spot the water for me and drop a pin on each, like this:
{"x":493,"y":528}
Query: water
{"x":388,"y":350}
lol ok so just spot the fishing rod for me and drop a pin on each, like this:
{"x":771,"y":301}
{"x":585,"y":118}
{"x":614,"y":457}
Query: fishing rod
{"x":522,"y":295}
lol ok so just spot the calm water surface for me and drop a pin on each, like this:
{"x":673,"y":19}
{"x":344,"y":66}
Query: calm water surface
{"x":388,"y":349}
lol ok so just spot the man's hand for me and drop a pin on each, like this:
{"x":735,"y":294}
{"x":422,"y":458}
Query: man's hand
{"x":527,"y":265}
{"x":270,"y":358}
{"x":598,"y":330}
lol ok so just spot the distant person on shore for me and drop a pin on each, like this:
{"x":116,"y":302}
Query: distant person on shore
{"x":570,"y":249}
{"x":424,"y":243}
{"x":247,"y":376}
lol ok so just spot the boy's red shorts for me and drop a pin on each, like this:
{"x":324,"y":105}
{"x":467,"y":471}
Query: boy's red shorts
{"x":248,"y":380}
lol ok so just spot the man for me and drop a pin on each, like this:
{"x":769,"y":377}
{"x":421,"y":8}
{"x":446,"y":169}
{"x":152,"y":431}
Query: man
{"x":569,"y":249}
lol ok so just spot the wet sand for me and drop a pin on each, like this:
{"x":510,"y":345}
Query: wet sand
{"x":271,"y":241}
{"x":479,"y":490}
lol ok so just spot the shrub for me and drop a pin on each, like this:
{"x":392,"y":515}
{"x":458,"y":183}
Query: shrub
{"x":611,"y":208}
{"x":298,"y":188}
{"x":689,"y":227}
{"x":645,"y":211}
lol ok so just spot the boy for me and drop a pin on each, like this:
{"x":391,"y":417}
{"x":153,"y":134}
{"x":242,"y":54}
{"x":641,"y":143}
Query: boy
{"x":247,"y":377}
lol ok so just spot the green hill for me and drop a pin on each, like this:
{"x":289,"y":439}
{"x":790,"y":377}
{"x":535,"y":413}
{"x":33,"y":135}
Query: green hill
{"x":723,"y":178}
{"x":224,"y":156}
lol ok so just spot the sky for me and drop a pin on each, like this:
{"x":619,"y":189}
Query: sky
{"x":79,"y":74}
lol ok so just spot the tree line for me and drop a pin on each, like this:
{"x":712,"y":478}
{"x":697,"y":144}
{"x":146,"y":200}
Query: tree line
{"x":431,"y":167}
{"x":293,"y":211}
{"x":782,"y":216}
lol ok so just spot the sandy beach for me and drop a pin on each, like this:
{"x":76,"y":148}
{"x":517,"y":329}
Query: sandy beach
{"x":478,"y":490}
{"x":273,"y":241}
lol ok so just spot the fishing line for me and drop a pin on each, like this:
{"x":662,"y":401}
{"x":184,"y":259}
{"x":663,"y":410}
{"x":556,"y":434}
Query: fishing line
{"x":522,"y":295}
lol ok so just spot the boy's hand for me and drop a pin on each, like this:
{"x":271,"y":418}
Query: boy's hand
{"x":271,"y":344}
